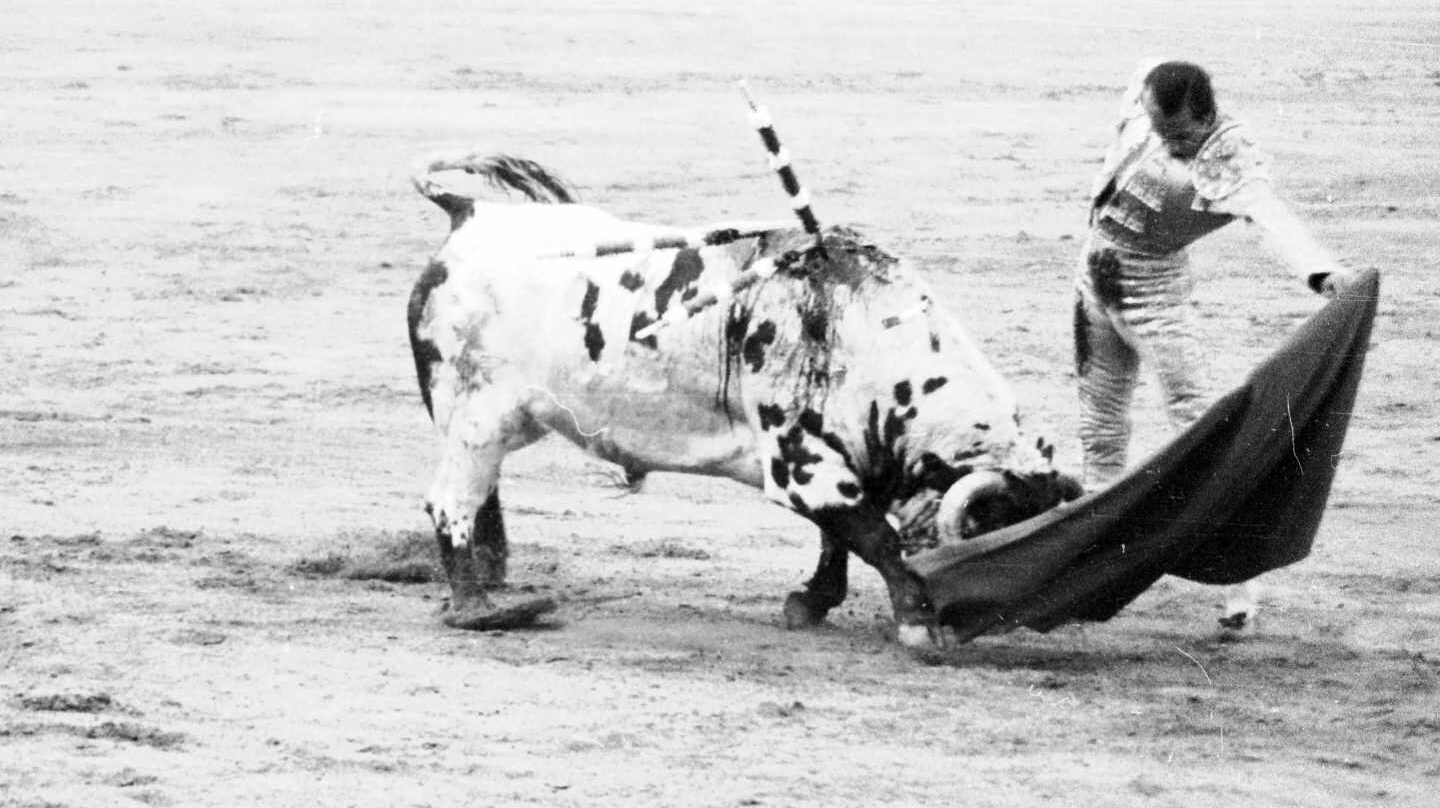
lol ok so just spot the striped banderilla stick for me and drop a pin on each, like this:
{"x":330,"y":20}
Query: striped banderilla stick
{"x":799,"y":201}
{"x":675,"y":240}
{"x":780,"y":164}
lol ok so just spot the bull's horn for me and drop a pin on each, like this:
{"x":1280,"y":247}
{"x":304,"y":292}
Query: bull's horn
{"x":950,"y":518}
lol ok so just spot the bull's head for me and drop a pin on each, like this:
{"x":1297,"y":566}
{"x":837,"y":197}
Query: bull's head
{"x":983,"y":501}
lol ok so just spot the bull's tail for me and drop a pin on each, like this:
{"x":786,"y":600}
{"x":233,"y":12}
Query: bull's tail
{"x":537,"y":183}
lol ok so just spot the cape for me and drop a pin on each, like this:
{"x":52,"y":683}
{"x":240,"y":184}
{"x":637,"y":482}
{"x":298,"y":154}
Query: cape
{"x":1239,"y":493}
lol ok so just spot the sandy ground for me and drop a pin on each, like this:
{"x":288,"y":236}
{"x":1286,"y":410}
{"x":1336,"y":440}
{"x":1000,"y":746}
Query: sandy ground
{"x":207,"y":404}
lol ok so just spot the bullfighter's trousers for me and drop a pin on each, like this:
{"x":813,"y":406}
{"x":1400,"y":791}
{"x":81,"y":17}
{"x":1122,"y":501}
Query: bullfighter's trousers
{"x":1129,"y":307}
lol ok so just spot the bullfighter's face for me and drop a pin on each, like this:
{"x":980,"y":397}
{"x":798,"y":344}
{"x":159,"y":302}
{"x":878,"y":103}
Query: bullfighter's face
{"x":1184,"y":133}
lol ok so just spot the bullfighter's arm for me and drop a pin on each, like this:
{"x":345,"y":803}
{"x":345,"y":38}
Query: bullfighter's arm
{"x":1232,"y":175}
{"x":1293,"y":242}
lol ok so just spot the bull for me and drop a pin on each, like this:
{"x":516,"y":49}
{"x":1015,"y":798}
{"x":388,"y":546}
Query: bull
{"x":833,"y":384}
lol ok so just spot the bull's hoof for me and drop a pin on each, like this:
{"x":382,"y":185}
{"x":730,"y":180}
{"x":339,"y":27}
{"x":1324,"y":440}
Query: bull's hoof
{"x":800,"y":614}
{"x":1237,"y":622}
{"x":925,"y":636}
{"x":485,"y":617}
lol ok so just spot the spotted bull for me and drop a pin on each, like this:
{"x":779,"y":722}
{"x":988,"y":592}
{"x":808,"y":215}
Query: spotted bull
{"x":833,"y":384}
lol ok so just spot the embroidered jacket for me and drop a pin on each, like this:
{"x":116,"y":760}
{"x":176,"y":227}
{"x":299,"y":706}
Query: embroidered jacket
{"x":1149,"y":202}
{"x":1152,"y":203}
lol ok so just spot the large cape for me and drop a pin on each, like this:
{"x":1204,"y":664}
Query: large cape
{"x":1239,"y":493}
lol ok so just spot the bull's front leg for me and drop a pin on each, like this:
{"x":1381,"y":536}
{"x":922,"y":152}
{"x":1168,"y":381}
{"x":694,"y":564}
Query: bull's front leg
{"x":1242,"y":601}
{"x":825,"y":590}
{"x":868,"y":535}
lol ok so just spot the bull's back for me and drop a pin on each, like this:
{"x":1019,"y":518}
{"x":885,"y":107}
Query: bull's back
{"x":498,"y":233}
{"x":563,"y":339}
{"x":487,"y":270}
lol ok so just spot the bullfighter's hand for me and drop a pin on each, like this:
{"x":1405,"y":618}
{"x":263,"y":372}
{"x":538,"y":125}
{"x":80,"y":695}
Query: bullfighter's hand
{"x":1334,"y":284}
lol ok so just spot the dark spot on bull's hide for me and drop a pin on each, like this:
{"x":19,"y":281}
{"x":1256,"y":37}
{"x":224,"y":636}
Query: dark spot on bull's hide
{"x":737,"y":320}
{"x":630,"y":280}
{"x":934,"y":342}
{"x":779,"y":472}
{"x":736,"y":324}
{"x":1047,"y":450}
{"x":811,"y":421}
{"x":754,"y":350}
{"x":797,"y":456}
{"x":848,"y":489}
{"x":771,"y":416}
{"x":468,"y":368}
{"x":803,"y":476}
{"x":903,"y":393}
{"x":894,"y":428}
{"x":932,"y":384}
{"x":815,"y":322}
{"x":798,"y":503}
{"x":982,"y":427}
{"x":815,"y":369}
{"x":589,"y":302}
{"x":683,"y":274}
{"x":837,"y":446}
{"x":884,"y":470}
{"x":426,"y":353}
{"x":594,"y":341}
{"x":638,"y":322}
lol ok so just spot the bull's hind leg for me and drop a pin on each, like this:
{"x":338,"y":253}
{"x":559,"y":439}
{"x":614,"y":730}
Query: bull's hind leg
{"x":464,"y":503}
{"x":825,"y":590}
{"x":491,"y":545}
{"x":872,"y":538}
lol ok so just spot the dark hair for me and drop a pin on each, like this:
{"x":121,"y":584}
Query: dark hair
{"x":1182,"y":85}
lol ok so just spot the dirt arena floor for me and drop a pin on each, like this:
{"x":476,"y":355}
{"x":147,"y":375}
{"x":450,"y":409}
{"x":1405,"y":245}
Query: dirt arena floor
{"x":209,"y":424}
